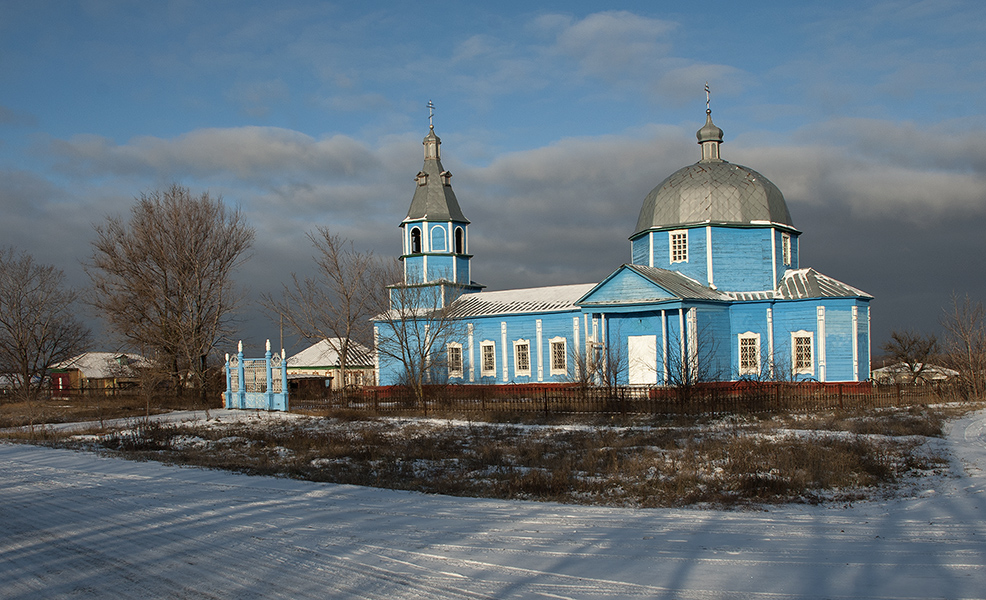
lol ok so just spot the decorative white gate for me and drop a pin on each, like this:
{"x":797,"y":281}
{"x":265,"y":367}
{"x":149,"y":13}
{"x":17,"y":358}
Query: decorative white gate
{"x":258,"y":383}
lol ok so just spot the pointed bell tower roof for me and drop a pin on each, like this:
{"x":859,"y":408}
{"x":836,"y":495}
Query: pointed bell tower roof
{"x":433,"y":198}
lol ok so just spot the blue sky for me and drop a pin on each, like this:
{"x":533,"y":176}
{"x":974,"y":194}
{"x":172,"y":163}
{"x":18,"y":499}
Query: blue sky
{"x":556,"y":119}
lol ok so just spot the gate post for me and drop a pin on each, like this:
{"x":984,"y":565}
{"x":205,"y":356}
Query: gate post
{"x":270,"y":381}
{"x":284,"y":379}
{"x":227,"y":397}
{"x":241,"y":391}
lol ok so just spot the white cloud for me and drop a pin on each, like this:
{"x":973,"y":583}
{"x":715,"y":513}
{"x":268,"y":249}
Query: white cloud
{"x":614,"y":43}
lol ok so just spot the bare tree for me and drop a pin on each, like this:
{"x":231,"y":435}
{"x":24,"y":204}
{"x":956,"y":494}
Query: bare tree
{"x":336,"y":304}
{"x":964,"y":323}
{"x":697,"y":364}
{"x":585,"y":362}
{"x":417,"y":329}
{"x":163,"y":281}
{"x":38,"y":327}
{"x":913,"y":352}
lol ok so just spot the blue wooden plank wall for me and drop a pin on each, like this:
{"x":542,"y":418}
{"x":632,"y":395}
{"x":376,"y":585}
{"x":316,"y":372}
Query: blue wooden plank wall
{"x":628,"y":286}
{"x":741,"y":259}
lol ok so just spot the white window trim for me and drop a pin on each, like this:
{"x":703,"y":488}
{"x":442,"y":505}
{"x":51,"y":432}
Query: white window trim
{"x":794,"y":352}
{"x":786,"y":249}
{"x":518,"y":372}
{"x":551,"y":355}
{"x":482,"y":358}
{"x":671,"y":235}
{"x":454,"y":372}
{"x":749,"y":335}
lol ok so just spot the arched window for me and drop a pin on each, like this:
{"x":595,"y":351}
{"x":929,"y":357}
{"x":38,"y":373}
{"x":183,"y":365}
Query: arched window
{"x":459,"y":245}
{"x":415,"y":241}
{"x":439,"y":239}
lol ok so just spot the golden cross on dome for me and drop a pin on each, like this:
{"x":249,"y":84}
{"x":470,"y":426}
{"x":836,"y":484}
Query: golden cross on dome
{"x":431,"y":114}
{"x":708,"y":108}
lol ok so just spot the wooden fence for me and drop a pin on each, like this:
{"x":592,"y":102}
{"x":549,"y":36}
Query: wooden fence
{"x":710,"y":398}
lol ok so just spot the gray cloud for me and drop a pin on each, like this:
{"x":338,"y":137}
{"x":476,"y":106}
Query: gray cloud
{"x":245,"y":152}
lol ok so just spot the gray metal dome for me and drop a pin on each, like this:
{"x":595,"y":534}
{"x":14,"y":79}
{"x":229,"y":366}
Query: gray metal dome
{"x":712,"y":191}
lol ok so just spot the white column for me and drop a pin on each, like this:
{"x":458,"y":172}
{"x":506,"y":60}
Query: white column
{"x":503,"y":342}
{"x":770,"y":340}
{"x":708,"y":255}
{"x":472,"y":360}
{"x":855,"y":343}
{"x":820,"y":318}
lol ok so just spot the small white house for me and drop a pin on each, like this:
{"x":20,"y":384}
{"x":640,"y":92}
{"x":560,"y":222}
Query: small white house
{"x":921,"y":373}
{"x":320,"y":362}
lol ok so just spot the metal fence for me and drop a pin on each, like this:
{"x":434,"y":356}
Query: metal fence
{"x":711,"y":398}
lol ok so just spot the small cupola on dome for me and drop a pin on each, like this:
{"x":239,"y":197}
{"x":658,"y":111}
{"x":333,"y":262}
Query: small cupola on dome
{"x":709,"y":137}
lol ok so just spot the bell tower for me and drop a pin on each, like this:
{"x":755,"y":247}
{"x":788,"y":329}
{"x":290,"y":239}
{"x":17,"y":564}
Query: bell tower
{"x":435,"y":233}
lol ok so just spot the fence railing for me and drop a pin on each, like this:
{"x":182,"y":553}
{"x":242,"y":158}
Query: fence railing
{"x":727,"y":397}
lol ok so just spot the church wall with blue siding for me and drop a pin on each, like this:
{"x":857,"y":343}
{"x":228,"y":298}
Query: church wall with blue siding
{"x":502,"y":331}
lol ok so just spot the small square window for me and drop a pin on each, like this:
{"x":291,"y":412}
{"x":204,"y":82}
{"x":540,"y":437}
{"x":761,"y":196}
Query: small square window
{"x":679,"y":246}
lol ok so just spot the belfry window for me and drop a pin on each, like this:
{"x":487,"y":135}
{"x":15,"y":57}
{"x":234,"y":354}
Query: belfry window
{"x":415,"y":241}
{"x":438,"y":239}
{"x":679,"y":245}
{"x":459,"y":245}
{"x":786,"y":246}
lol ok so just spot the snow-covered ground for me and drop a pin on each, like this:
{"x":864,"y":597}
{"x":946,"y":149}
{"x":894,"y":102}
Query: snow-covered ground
{"x":76,"y":525}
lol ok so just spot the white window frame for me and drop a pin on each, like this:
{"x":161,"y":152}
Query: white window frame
{"x":786,"y":248}
{"x":556,"y":368}
{"x":748,"y":369}
{"x":519,"y":370}
{"x":680,"y":253}
{"x":803,"y":370}
{"x":483,"y":355}
{"x":454,"y":370}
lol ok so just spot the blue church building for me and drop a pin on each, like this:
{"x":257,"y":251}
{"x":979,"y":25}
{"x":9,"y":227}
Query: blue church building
{"x":714,"y":291}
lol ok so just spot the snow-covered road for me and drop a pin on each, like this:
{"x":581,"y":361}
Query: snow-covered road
{"x":75,"y":525}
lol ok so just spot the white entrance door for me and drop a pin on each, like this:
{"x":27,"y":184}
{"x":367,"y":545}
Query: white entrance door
{"x":642,"y":367}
